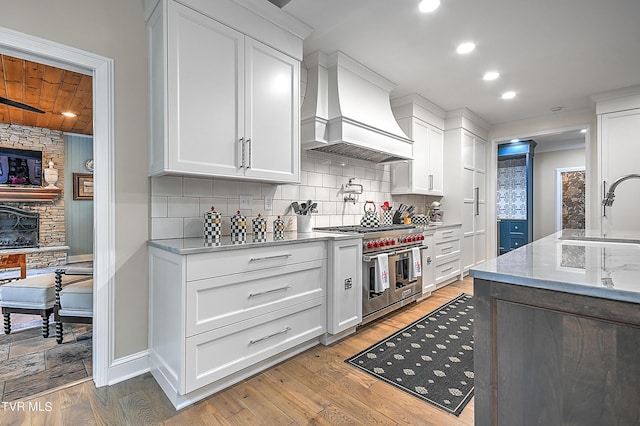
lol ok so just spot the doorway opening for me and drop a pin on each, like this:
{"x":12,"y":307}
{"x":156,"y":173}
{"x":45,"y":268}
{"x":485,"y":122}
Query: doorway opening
{"x":101,"y":70}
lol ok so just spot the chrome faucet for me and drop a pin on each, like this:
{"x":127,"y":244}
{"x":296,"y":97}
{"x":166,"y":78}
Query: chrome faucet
{"x":608,"y":199}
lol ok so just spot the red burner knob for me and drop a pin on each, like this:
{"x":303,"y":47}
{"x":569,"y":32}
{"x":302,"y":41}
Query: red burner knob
{"x":387,"y":242}
{"x":393,"y":242}
{"x":370,"y":245}
{"x":421,"y":237}
{"x":375,"y":244}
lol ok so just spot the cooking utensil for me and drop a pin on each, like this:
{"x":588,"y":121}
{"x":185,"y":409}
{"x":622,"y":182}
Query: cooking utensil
{"x":296,"y":207}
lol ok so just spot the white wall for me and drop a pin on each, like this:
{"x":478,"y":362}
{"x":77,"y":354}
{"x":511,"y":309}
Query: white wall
{"x":115,"y":29}
{"x":544,"y":186}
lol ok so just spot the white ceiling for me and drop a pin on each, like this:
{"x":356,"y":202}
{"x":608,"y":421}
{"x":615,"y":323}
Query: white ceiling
{"x":551,"y":52}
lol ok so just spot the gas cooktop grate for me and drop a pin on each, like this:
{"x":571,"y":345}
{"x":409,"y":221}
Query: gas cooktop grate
{"x":362,"y":229}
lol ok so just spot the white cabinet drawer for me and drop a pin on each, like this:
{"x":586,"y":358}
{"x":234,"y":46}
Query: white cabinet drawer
{"x":220,"y":301}
{"x":448,"y":234}
{"x":217,"y":354}
{"x":208,"y":265}
{"x":447,"y":270}
{"x":446,"y":248}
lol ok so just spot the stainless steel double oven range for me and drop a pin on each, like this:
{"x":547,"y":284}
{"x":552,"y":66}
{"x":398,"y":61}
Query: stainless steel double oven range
{"x":397,"y":241}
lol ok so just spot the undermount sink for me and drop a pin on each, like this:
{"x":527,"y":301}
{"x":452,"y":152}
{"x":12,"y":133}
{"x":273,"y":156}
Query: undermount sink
{"x":601,"y":240}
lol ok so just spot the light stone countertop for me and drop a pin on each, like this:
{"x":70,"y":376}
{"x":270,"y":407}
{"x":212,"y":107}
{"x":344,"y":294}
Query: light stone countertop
{"x":199,"y":245}
{"x":607,"y":270}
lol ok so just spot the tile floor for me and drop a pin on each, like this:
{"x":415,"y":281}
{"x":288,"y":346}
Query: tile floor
{"x":31,"y":364}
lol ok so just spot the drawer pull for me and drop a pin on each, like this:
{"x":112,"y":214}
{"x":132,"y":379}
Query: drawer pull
{"x":269,"y":291}
{"x":447,"y":232}
{"x":260,"y":259}
{"x":277,"y":333}
{"x":448,"y":269}
{"x":447,"y":248}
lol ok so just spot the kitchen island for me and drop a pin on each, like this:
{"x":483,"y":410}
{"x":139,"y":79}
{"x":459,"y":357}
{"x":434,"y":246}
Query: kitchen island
{"x":557,"y":332}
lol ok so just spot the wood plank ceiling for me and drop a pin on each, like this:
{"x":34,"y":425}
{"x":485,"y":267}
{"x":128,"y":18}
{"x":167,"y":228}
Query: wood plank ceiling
{"x":53,"y":90}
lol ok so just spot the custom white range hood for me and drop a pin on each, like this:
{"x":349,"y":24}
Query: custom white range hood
{"x":346,"y":111}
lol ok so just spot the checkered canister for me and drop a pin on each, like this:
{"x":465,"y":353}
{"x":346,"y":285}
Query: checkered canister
{"x":278,"y":229}
{"x":259,"y":229}
{"x":238,"y":229}
{"x":212,"y":225}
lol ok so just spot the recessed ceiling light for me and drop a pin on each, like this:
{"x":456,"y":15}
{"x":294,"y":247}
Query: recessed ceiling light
{"x":514,"y":140}
{"x":466,"y":48}
{"x":491,"y":75}
{"x":69,"y":114}
{"x":583,"y":131}
{"x":427,"y":6}
{"x":508,"y":95}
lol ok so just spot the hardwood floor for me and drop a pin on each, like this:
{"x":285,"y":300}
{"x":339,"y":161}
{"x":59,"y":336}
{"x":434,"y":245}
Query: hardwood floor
{"x":316,"y":387}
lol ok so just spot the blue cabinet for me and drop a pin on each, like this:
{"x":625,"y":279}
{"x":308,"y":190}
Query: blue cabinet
{"x":513,"y":234}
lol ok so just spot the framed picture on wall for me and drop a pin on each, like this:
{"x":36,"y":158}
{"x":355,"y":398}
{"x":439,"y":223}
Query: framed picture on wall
{"x":83,"y":186}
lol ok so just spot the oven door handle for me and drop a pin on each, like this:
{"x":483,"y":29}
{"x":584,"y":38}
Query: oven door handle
{"x":410,"y":249}
{"x":367,"y":258}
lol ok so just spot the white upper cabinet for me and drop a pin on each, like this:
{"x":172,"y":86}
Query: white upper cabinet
{"x":422,"y":122}
{"x":272,"y":114}
{"x":222,"y":102}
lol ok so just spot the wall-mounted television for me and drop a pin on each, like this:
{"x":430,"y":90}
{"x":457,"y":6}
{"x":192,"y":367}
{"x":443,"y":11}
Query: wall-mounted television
{"x":20,"y":167}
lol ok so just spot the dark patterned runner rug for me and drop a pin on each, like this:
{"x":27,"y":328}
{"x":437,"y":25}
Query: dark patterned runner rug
{"x":431,"y":359}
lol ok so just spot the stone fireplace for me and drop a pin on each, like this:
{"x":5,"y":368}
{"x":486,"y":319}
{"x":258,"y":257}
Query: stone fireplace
{"x":18,"y":228}
{"x":50,"y":248}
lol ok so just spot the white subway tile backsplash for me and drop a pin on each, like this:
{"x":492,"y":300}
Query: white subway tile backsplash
{"x":250,"y":188}
{"x":322,"y":166}
{"x":219,"y":203}
{"x":281,"y":207}
{"x":197,"y":187}
{"x":307,"y":193}
{"x":163,"y":227}
{"x":329,"y":181}
{"x":166,"y":185}
{"x":314,"y":179}
{"x":225,"y":188}
{"x":323,"y":194}
{"x":178,"y":203}
{"x":291,"y":192}
{"x":193,"y":227}
{"x":159,"y":206}
{"x":183,"y":207}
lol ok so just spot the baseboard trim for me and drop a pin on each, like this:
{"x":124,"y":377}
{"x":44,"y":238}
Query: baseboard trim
{"x":127,"y":367}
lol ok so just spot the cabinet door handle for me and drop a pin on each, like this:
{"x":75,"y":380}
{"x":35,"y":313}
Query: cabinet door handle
{"x":430,"y":182}
{"x":278,"y":256}
{"x":273,"y":290}
{"x":277,"y":333}
{"x":447,"y":248}
{"x":428,"y":260}
{"x":447,"y":269}
{"x":477,"y":200}
{"x":241,"y":141}
{"x":250,"y":163}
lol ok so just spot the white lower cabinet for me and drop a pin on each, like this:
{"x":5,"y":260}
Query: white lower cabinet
{"x":447,"y":255}
{"x":428,"y":271}
{"x":217,"y":318}
{"x":344,"y":289}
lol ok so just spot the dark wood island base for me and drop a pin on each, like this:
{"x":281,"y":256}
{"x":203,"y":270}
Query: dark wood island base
{"x":545,"y":357}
